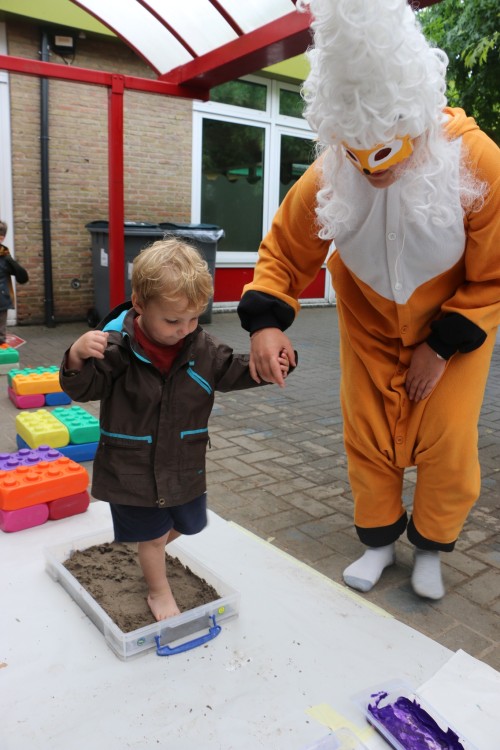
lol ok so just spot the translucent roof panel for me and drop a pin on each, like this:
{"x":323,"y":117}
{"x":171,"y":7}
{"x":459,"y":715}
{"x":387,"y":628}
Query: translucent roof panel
{"x":170,"y":33}
{"x":197,"y":22}
{"x":131,"y":21}
{"x":252,"y":15}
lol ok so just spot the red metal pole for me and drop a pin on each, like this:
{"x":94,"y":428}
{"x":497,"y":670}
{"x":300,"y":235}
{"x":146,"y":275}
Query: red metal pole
{"x":116,"y":193}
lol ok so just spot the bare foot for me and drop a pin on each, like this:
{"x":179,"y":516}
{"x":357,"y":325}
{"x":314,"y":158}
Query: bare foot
{"x":163,"y":605}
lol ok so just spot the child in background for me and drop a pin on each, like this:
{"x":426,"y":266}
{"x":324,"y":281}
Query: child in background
{"x":155,"y":371}
{"x":8,"y":267}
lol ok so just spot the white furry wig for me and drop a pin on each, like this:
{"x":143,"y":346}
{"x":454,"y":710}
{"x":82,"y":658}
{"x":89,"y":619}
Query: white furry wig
{"x":373,"y":77}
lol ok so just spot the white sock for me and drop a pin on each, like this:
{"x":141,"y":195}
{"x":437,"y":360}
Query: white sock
{"x":364,"y":573}
{"x":426,"y":578}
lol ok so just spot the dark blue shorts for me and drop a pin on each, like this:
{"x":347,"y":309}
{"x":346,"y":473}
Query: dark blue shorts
{"x":136,"y":524}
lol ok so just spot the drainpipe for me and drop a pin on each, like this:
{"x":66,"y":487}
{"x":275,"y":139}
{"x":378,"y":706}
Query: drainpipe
{"x":44,"y":169}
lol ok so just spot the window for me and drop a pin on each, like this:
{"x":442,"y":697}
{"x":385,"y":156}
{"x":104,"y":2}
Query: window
{"x":290,"y":103}
{"x":232,"y":181}
{"x":251,"y":144}
{"x":241,"y":94}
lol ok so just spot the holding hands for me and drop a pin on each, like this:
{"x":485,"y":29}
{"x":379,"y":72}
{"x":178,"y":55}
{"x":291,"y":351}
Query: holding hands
{"x":271,"y":354}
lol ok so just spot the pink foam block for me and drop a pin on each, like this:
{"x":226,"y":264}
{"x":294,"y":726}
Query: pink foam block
{"x":23,"y":518}
{"x":70,"y":505}
{"x":32,"y":401}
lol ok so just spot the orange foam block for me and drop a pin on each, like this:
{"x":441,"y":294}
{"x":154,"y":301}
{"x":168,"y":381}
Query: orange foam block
{"x":41,"y":483}
{"x":41,"y":428}
{"x":27,"y":382}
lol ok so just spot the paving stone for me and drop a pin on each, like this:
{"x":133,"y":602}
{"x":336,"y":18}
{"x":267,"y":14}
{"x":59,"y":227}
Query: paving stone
{"x":237,"y":467}
{"x":484,"y":588}
{"x":287,"y":486}
{"x":260,"y":455}
{"x":462,"y":637}
{"x":481,"y":620}
{"x":308,"y":504}
{"x":464,"y":563}
{"x":247,"y":483}
{"x":283,"y":520}
{"x":214,"y":454}
{"x":325,"y":526}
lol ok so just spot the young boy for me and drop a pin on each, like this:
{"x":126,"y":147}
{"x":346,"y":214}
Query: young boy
{"x":8,"y":267}
{"x":155,"y":371}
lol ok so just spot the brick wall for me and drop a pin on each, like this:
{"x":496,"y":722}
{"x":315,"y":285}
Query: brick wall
{"x":157,"y":167}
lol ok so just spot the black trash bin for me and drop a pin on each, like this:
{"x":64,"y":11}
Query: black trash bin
{"x":138,"y":234}
{"x":205,"y":238}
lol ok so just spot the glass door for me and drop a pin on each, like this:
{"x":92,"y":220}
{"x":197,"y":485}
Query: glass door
{"x":232,"y":181}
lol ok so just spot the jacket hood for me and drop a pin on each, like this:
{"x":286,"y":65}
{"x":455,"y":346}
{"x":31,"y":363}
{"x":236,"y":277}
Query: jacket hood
{"x":108,"y":323}
{"x":458,"y":122}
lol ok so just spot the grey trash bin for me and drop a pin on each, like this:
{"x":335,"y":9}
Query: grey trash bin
{"x":205,"y":238}
{"x":138,"y":234}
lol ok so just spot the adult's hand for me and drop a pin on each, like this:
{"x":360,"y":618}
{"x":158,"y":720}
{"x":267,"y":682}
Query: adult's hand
{"x":265,"y":348}
{"x":425,"y":371}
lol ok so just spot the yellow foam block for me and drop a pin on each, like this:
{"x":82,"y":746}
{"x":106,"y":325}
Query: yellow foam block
{"x":41,"y":428}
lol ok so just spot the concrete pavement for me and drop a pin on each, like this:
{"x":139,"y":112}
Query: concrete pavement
{"x":277,"y":467}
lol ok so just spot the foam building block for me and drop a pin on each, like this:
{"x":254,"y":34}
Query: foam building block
{"x":41,"y":428}
{"x":70,"y":505}
{"x":28,"y":457}
{"x":33,"y":401}
{"x":56,"y":399}
{"x":79,"y":453}
{"x":36,"y":380}
{"x":8,"y":358}
{"x":82,"y":426}
{"x":23,"y":518}
{"x":49,"y":480}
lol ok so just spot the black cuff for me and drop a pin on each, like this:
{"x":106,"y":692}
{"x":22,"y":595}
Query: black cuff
{"x":421,"y":542}
{"x":381,"y":536}
{"x":455,"y":333}
{"x":260,"y":310}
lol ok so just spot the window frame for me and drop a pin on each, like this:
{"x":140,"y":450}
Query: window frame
{"x":274,"y":125}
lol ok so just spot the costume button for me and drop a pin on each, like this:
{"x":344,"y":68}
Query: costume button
{"x":398,"y":286}
{"x":161,"y":502}
{"x":399,"y":440}
{"x":404,"y":329}
{"x":391,"y":236}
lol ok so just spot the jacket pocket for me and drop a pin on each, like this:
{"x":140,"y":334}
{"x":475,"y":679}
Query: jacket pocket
{"x":194,"y":447}
{"x":126,"y":454}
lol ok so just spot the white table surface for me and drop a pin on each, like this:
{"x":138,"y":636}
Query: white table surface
{"x":301,"y":646}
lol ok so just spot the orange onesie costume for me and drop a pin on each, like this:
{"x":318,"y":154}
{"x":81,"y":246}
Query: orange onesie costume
{"x":398,"y":284}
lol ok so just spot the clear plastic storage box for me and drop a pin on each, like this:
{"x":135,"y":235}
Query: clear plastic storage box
{"x":204,"y":620}
{"x":394,"y":690}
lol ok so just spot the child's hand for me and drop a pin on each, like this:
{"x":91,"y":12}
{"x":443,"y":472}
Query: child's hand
{"x":284,"y":362}
{"x":91,"y":344}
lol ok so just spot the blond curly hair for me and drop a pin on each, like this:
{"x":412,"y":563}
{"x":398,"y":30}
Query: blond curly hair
{"x":169,"y":270}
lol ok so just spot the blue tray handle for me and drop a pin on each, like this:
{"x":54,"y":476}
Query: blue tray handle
{"x":213,"y":631}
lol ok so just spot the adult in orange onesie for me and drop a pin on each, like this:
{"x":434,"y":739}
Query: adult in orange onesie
{"x":406,"y":191}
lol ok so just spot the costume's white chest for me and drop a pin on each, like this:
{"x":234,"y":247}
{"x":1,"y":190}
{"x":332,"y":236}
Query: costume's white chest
{"x":389,"y":253}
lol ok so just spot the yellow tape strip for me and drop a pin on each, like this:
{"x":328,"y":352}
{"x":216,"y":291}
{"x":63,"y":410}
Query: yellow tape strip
{"x":326,"y":715}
